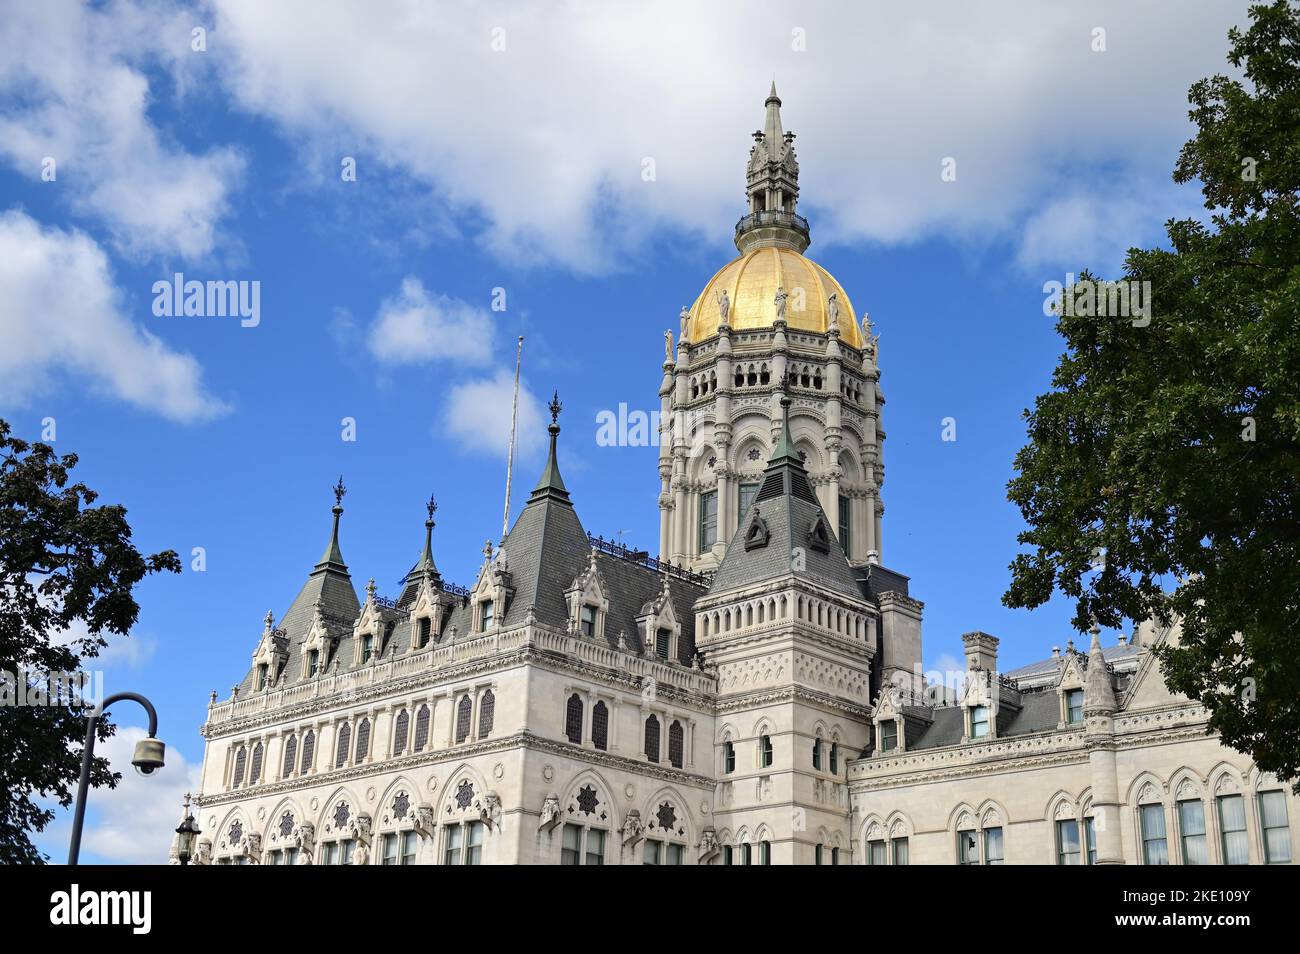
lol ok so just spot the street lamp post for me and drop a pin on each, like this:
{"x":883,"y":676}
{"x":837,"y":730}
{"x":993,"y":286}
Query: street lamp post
{"x":186,"y":833}
{"x":147,"y":759}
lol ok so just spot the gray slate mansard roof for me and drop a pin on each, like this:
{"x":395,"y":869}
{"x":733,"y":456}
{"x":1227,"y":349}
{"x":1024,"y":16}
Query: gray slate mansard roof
{"x":545,"y":550}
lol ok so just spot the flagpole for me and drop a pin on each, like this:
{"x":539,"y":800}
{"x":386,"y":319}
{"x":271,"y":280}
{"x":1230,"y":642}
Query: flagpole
{"x":510,"y":454}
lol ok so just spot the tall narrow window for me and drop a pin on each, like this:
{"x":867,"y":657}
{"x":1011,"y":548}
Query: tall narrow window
{"x":363,"y":740}
{"x":979,"y":722}
{"x":571,"y":845}
{"x":708,"y":520}
{"x":255,"y":770}
{"x":463,"y":711}
{"x":486,"y":713}
{"x":1232,"y":825}
{"x":425,"y":631}
{"x":1191,"y":832}
{"x":746,"y":854}
{"x":1090,"y":839}
{"x":1155,"y":847}
{"x":652,"y":739}
{"x":1277,"y":832}
{"x":408,"y":844}
{"x":835,"y":758}
{"x":676,"y":744}
{"x":748,"y":491}
{"x":573,"y":719}
{"x":587,"y":620}
{"x":663,"y":639}
{"x":817,"y":754}
{"x":1067,"y":842}
{"x":835,"y":856}
{"x":367,"y":647}
{"x":421,"y":729}
{"x":290,"y":756}
{"x":968,"y":852}
{"x":764,"y":852}
{"x":600,"y":726}
{"x":241,"y":761}
{"x":889,"y":735}
{"x":846,"y":524}
{"x":817,"y":854}
{"x":486,"y":615}
{"x":1074,"y":706}
{"x":401,"y":727}
{"x":900,"y":850}
{"x":313,"y":662}
{"x":474,"y":843}
{"x":451,"y":845}
{"x":765,"y":751}
{"x":728,"y":757}
{"x":993,"y":846}
{"x":343,"y":746}
{"x":261,"y":677}
{"x":876,"y":853}
{"x":308,"y":750}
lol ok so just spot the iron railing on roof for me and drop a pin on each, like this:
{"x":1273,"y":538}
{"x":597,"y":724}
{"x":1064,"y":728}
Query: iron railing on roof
{"x":772,"y":217}
{"x":643,"y":558}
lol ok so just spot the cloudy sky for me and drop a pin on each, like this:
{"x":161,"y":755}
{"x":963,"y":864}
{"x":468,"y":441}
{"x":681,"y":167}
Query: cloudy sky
{"x":500,"y":158}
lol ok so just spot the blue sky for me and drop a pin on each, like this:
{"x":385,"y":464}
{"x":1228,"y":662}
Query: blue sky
{"x":521,"y":169}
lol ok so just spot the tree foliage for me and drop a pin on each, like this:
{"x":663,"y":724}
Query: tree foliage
{"x":67,"y":570}
{"x":1174,"y":448}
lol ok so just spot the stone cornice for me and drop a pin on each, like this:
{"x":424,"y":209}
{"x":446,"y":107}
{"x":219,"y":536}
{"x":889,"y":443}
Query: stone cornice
{"x":791,"y":694}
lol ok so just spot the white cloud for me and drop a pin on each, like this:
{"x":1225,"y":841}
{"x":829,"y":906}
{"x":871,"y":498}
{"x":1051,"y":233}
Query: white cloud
{"x":73,"y":88}
{"x":540,"y":147}
{"x":131,"y":651}
{"x":413,"y":327}
{"x":478,"y":415}
{"x":61,"y":318}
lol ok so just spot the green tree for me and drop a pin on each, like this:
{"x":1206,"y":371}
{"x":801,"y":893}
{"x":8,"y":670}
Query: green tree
{"x":1174,"y":448}
{"x":66,"y":574}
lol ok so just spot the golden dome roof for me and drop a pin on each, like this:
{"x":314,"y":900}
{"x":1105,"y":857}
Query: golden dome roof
{"x":751,"y":282}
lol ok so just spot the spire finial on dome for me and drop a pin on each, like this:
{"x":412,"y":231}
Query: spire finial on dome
{"x":551,"y":484}
{"x":332,"y":552}
{"x":772,"y":184}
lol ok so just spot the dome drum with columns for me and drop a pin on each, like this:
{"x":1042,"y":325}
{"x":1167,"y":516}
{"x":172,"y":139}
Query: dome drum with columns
{"x":769,"y":322}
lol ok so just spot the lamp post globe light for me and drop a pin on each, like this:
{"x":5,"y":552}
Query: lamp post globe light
{"x":147,"y":759}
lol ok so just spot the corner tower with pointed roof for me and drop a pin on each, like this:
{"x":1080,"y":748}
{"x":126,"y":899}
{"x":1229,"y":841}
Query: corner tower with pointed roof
{"x":793,"y":638}
{"x":769,"y":316}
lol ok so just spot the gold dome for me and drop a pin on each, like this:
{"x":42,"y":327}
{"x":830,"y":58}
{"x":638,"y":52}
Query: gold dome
{"x":751,"y":282}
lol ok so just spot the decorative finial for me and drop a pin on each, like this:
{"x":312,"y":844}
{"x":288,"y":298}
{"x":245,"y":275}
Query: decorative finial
{"x":555,"y":408}
{"x":371,"y":589}
{"x":269,"y":619}
{"x":487,"y":550}
{"x":339,"y":492}
{"x":432,"y":508}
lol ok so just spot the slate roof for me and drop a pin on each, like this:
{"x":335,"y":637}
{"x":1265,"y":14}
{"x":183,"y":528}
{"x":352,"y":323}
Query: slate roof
{"x":787,"y":506}
{"x":1039,"y":712}
{"x":1117,"y":655}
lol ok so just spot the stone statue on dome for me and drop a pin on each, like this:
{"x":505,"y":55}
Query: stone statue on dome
{"x":833,"y":311}
{"x":686,"y":317}
{"x":724,"y":306}
{"x":781,"y":296}
{"x":668,"y":345}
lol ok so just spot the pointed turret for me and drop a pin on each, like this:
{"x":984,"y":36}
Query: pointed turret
{"x":772,"y":132}
{"x":333,"y":556}
{"x":551,"y":484}
{"x":1099,"y":690}
{"x":772,"y":184}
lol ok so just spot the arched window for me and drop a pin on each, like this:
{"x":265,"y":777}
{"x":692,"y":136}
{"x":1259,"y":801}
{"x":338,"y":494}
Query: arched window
{"x":676,"y":740}
{"x":421,"y":728}
{"x":486,"y":710}
{"x":290,"y":755}
{"x":308,"y":750}
{"x":241,"y":759}
{"x":573,"y":719}
{"x":728,"y":757}
{"x":835,"y":759}
{"x":400,"y":729}
{"x":817,"y":754}
{"x":600,"y":726}
{"x":255,"y":771}
{"x":344,"y":744}
{"x":652,"y":739}
{"x":463,"y":709}
{"x":363,"y":739}
{"x":764,"y":751}
{"x":764,"y":852}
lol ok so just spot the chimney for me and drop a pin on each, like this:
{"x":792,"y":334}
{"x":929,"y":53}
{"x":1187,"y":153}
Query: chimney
{"x":981,"y":651}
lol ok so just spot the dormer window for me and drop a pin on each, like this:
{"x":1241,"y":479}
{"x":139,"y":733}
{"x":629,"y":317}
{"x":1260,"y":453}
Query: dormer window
{"x":486,"y":617}
{"x":313,"y":662}
{"x":261,"y":677}
{"x":1074,"y":706}
{"x":587,"y":620}
{"x":423,"y":632}
{"x":367,"y":647}
{"x":979,"y":722}
{"x":663,"y":639}
{"x":889,"y":735}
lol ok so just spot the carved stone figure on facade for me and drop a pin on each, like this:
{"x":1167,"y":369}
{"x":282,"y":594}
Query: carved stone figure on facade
{"x":550,"y":813}
{"x":781,"y":296}
{"x":253,"y":848}
{"x":833,"y":312}
{"x":425,"y":822}
{"x":668,"y":345}
{"x":869,"y":341}
{"x":490,"y":811}
{"x":306,"y":843}
{"x":724,"y":306}
{"x":203,"y":856}
{"x":685,"y":317}
{"x":709,"y":847}
{"x":633,"y":830}
{"x":361,"y":855}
